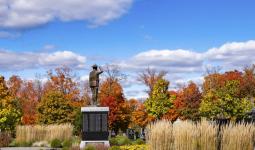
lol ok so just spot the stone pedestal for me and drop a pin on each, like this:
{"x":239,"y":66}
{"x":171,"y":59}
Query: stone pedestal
{"x":94,"y":126}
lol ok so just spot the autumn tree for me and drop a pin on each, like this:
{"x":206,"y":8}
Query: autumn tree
{"x":112,"y":88}
{"x":159,"y":102}
{"x":149,"y":77}
{"x":29,"y":99}
{"x":140,"y":117}
{"x":225,"y":102}
{"x":10,"y":112}
{"x":190,"y":99}
{"x":119,"y":115}
{"x":62,"y":79}
{"x":248,"y":83}
{"x":111,"y":95}
{"x":174,"y":113}
{"x":86,"y":93}
{"x":14,"y":85}
{"x":111,"y":83}
{"x":55,"y":108}
{"x":216,"y":81}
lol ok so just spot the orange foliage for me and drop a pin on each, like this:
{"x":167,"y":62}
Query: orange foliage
{"x":62,"y":80}
{"x":140,"y":117}
{"x":174,"y":113}
{"x":217,"y":80}
{"x":111,"y":87}
{"x":29,"y":101}
{"x":14,"y":84}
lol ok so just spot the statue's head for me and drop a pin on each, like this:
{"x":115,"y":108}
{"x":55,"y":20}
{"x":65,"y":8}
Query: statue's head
{"x":94,"y":66}
{"x":1,"y":78}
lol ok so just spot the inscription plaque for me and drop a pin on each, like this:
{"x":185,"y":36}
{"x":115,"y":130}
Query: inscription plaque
{"x":95,"y":125}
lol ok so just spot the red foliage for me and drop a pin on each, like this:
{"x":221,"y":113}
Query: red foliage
{"x":113,"y":106}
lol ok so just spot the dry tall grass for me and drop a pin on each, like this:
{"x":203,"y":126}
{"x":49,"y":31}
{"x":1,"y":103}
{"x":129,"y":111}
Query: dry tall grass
{"x":43,"y":132}
{"x":237,"y":137}
{"x":160,"y":135}
{"x":186,"y":135}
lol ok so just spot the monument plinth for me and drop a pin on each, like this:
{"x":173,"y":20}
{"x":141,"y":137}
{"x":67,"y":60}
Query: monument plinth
{"x":94,"y":126}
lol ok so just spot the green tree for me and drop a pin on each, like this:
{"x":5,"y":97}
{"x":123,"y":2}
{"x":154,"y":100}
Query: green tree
{"x":55,"y":108}
{"x":10,"y":110}
{"x":225,"y":102}
{"x":159,"y":102}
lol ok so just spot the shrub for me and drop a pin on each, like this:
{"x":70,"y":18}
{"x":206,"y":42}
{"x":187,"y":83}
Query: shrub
{"x":138,"y":142}
{"x":90,"y":147}
{"x":113,"y":141}
{"x":12,"y":144}
{"x":56,"y":143}
{"x":5,"y":139}
{"x":77,"y":122}
{"x":67,"y":143}
{"x":114,"y":148}
{"x":120,"y":140}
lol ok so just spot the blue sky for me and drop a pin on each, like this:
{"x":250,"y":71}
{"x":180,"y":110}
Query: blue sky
{"x":173,"y":35}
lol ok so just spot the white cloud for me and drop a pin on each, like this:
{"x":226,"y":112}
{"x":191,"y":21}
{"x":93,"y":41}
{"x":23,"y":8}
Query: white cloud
{"x":173,"y":61}
{"x":31,"y":13}
{"x":31,"y":60}
{"x":233,"y":55}
{"x":5,"y":34}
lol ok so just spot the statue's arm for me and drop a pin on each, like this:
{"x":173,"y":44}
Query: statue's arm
{"x":100,"y":70}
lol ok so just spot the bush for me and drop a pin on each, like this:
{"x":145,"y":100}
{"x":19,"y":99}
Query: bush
{"x":114,"y":148}
{"x":77,"y":122}
{"x":5,"y":139}
{"x":120,"y":140}
{"x":12,"y":144}
{"x":56,"y":143}
{"x":90,"y":147}
{"x":138,"y":142}
{"x":113,"y":141}
{"x":67,"y":143}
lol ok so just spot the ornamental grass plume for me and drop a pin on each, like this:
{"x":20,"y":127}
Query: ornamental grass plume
{"x":207,"y":138}
{"x":160,"y":135}
{"x":32,"y":133}
{"x":238,"y":136}
{"x":184,"y":135}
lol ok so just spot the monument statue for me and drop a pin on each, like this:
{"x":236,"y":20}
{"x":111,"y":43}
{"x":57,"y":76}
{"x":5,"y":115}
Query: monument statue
{"x":94,"y":119}
{"x":94,"y":83}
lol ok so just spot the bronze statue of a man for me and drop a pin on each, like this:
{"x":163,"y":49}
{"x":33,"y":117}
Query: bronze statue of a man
{"x":94,"y":83}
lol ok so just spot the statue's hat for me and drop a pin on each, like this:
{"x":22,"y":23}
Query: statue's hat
{"x":94,"y":66}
